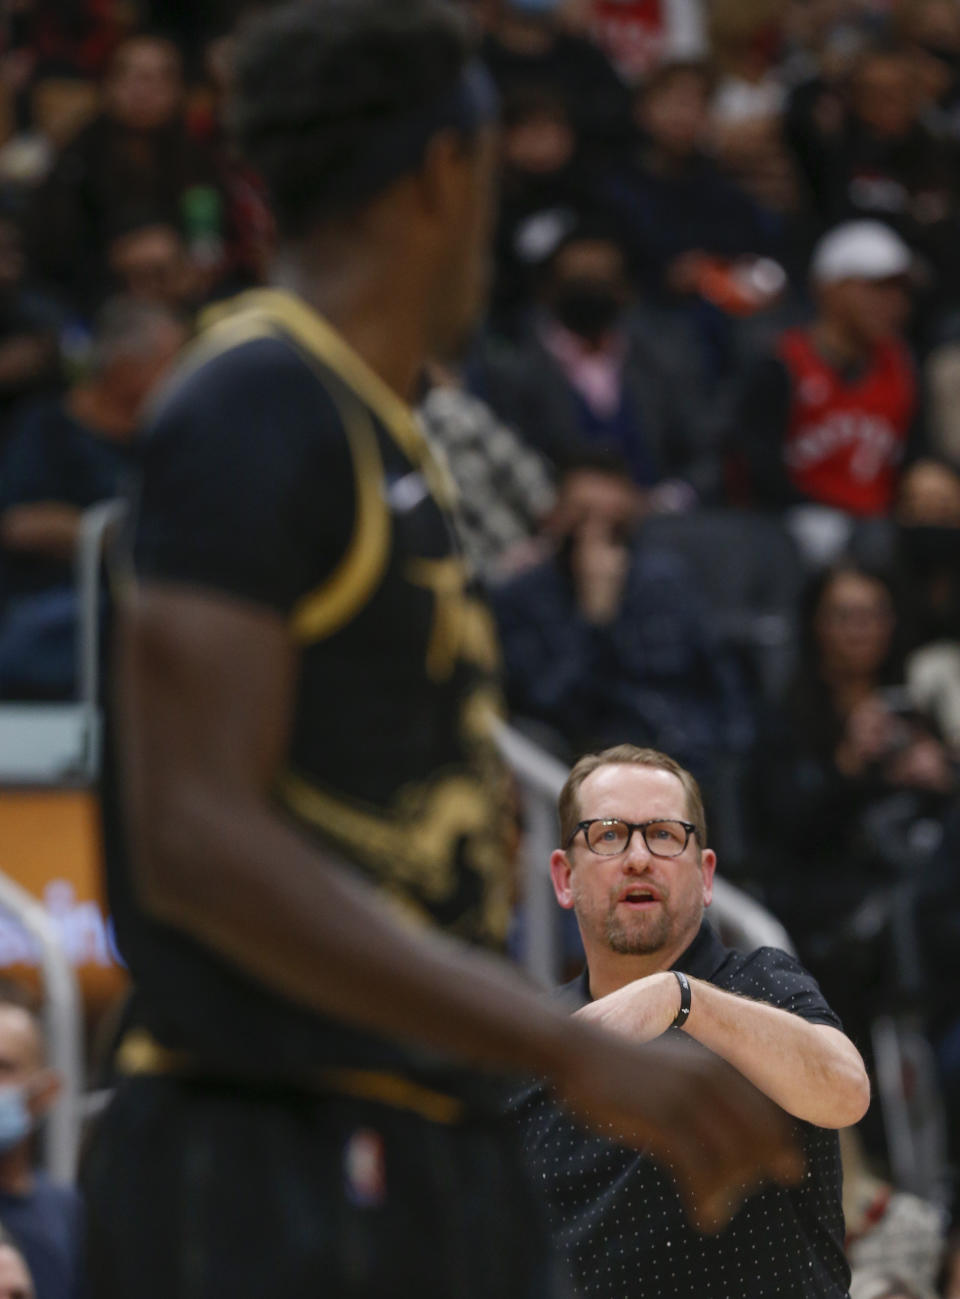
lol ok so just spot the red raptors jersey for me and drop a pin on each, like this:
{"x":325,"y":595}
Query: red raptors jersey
{"x":845,"y":438}
{"x":631,"y":34}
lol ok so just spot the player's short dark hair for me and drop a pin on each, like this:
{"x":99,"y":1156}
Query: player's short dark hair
{"x":318,"y":83}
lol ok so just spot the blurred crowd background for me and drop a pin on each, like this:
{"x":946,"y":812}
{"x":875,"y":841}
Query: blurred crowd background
{"x":707,"y":437}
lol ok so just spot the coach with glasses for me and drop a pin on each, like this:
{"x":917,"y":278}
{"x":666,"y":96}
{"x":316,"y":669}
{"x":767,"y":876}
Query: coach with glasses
{"x":636,"y":870}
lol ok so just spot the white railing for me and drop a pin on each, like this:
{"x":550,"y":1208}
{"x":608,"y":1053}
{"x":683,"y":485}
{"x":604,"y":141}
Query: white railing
{"x":58,"y":746}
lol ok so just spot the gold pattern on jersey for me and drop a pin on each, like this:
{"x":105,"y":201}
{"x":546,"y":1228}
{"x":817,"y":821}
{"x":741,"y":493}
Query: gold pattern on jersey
{"x":265,"y":312}
{"x":412,"y":841}
{"x":446,"y":578}
{"x":463,"y":627}
{"x":478,"y":636}
{"x":411,"y":848}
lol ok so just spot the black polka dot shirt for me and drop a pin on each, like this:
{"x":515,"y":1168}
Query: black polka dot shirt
{"x":620,"y":1223}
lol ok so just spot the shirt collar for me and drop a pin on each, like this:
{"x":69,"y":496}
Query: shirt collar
{"x":702,"y":959}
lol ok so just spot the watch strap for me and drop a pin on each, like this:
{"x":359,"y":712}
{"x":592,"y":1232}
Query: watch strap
{"x":683,"y":1014}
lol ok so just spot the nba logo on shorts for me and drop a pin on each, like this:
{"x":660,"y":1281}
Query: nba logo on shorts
{"x":365,"y":1169}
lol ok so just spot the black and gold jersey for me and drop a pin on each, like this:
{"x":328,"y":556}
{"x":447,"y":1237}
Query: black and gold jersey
{"x":280,"y":470}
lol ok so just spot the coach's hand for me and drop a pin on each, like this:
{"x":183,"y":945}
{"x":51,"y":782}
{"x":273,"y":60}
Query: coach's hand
{"x":715,"y":1132}
{"x":640,"y":1010}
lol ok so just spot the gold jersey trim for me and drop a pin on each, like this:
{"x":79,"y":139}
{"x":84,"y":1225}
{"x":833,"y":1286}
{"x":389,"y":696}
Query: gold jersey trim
{"x":336,"y":602}
{"x":272,"y":313}
{"x":221,"y":331}
{"x":317,"y":336}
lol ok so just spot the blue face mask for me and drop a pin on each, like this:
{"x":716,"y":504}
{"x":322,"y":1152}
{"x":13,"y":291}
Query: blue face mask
{"x":16,"y":1121}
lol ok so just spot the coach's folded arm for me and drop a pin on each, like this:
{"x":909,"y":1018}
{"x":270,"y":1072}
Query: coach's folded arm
{"x":813,"y":1071}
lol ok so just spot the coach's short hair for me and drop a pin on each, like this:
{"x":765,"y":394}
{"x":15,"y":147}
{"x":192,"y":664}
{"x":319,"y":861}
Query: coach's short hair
{"x":318,"y":81}
{"x":628,"y":755}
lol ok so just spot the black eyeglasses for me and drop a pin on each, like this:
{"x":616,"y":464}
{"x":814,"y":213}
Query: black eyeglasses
{"x":609,"y":836}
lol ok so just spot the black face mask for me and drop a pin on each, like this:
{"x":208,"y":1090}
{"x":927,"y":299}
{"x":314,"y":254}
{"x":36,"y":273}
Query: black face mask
{"x":929,"y":548}
{"x":588,"y":308}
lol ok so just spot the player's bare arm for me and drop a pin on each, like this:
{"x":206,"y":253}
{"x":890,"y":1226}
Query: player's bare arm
{"x":206,"y":692}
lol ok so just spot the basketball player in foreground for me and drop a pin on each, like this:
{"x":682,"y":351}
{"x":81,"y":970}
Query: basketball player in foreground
{"x":304,"y":807}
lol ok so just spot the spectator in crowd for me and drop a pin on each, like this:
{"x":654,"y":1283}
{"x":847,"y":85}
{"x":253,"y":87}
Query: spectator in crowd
{"x":67,"y":454}
{"x":636,"y":870}
{"x":608,"y":640}
{"x":891,"y":1233}
{"x":882,"y":161}
{"x":67,"y":38}
{"x":29,"y":327}
{"x":928,"y":559}
{"x":931,"y":28}
{"x":941,"y":378}
{"x":545,"y":181}
{"x":937,"y":919}
{"x":679,"y":205}
{"x":529,"y":47}
{"x":149,"y":261}
{"x":847,"y":772}
{"x":248,"y":226}
{"x":15,"y":1279}
{"x":827,"y":416}
{"x":637,"y":36}
{"x":591,"y":371}
{"x":505,"y":489}
{"x":137,"y":152}
{"x":746,"y":118}
{"x":885,"y":1286}
{"x":45,"y":1220}
{"x":64,"y":455}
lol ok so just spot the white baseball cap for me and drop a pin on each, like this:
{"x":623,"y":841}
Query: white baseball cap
{"x":859,"y":250}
